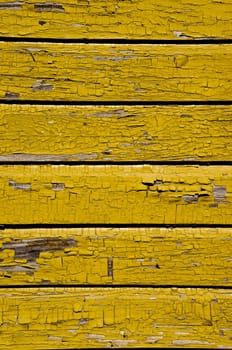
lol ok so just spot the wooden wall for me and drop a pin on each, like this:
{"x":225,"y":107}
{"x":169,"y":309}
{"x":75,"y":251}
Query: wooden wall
{"x":115,"y":174}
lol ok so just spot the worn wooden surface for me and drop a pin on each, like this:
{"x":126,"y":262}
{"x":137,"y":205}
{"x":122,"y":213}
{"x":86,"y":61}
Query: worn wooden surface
{"x":112,"y":19}
{"x":35,"y":317}
{"x":98,"y":72}
{"x":115,"y":133}
{"x":115,"y":194}
{"x":66,"y":318}
{"x":155,"y":256}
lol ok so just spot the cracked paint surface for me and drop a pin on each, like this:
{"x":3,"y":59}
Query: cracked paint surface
{"x":115,"y":133}
{"x":106,"y":266}
{"x":156,"y":256}
{"x":112,"y":19}
{"x":115,"y":72}
{"x":58,"y":318}
{"x":117,"y":194}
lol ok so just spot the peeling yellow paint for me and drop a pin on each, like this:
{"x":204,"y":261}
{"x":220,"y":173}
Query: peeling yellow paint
{"x":55,"y":318}
{"x":137,"y":19}
{"x":115,"y":133}
{"x":157,"y":256}
{"x":108,"y":72}
{"x":115,"y":194}
{"x":66,"y":318}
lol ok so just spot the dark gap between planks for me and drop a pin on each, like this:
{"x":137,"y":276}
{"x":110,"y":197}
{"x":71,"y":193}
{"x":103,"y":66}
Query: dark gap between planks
{"x":115,"y":163}
{"x":200,"y":41}
{"x":114,"y":103}
{"x":110,"y":286}
{"x":67,"y":226}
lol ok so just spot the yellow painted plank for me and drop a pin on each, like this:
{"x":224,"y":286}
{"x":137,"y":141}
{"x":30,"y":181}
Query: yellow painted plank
{"x":128,"y":19}
{"x":115,"y":133}
{"x":98,"y":72}
{"x":115,"y":194}
{"x":198,"y":256}
{"x":67,"y":318}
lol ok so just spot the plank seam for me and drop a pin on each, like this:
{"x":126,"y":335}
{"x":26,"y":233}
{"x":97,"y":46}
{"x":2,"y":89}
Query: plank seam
{"x":116,"y":163}
{"x":112,"y":286}
{"x":115,"y":103}
{"x":67,"y":226}
{"x":140,"y":348}
{"x":196,"y":41}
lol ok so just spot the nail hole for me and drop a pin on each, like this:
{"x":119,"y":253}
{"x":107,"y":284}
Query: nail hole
{"x":42,"y":23}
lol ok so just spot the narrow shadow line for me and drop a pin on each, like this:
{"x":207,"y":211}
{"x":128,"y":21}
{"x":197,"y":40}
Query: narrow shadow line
{"x":113,"y":286}
{"x":190,"y":41}
{"x":114,"y":103}
{"x":114,"y":163}
{"x":100,"y":225}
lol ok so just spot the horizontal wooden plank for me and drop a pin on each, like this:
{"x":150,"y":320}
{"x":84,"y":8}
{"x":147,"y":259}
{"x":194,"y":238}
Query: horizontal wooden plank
{"x":145,"y":256}
{"x":63,"y":318}
{"x":98,"y":72}
{"x":115,"y":194}
{"x":115,"y":133}
{"x":137,"y":19}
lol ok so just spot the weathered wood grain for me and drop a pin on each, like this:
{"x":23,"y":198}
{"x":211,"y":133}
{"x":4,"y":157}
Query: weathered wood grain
{"x":157,"y":256}
{"x":115,"y":194}
{"x":98,"y":72}
{"x":65,"y":318}
{"x":115,"y":133}
{"x":137,"y":19}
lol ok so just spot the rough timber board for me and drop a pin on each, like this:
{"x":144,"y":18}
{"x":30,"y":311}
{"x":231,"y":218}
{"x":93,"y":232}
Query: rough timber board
{"x":65,"y":318}
{"x":110,"y":72}
{"x":115,"y":133}
{"x":116,"y":194}
{"x":157,"y":256}
{"x":113,"y":19}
